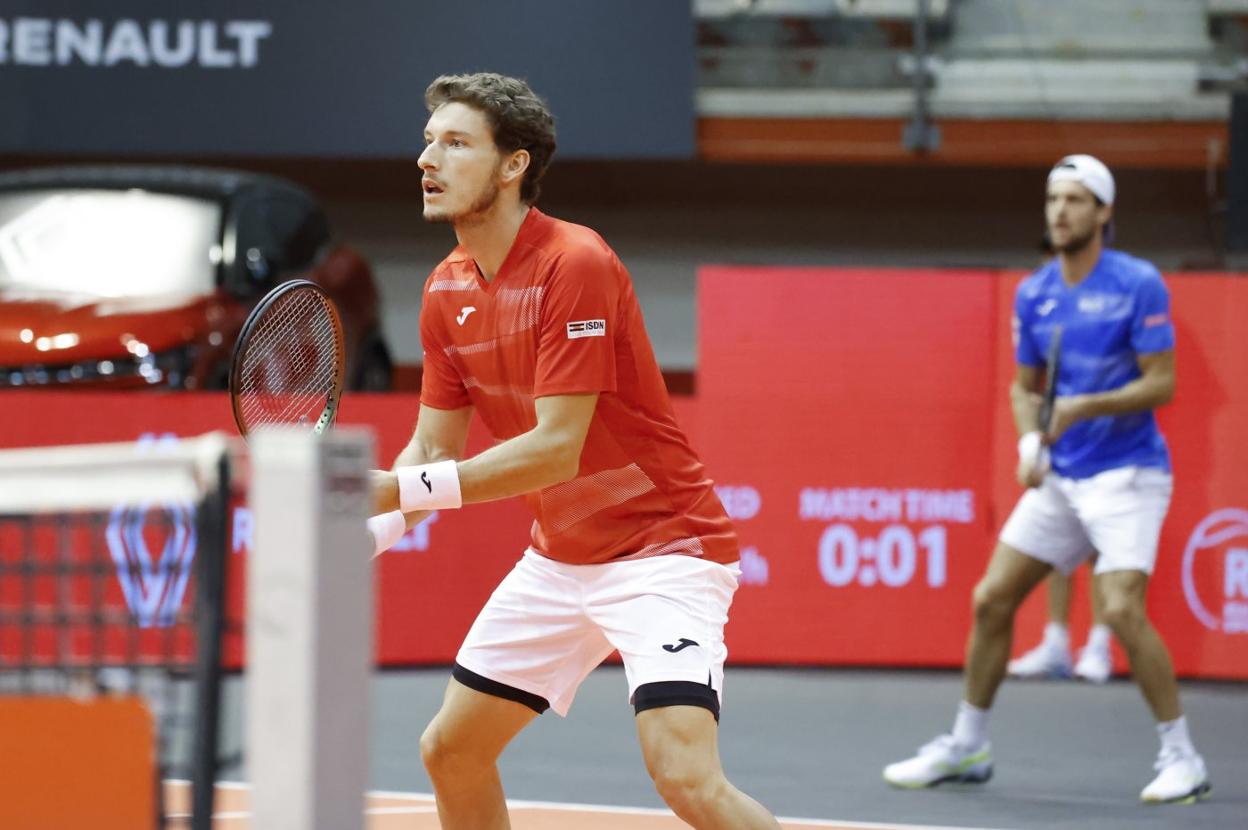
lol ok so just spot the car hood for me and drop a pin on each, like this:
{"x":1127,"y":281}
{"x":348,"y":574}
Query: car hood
{"x":52,"y":328}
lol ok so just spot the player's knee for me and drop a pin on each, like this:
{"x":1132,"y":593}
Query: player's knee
{"x":992,"y":605}
{"x":1124,"y":616}
{"x":688,"y":792}
{"x":441,"y":754}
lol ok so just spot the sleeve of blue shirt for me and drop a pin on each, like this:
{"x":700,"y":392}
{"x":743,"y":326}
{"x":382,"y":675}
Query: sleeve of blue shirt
{"x":1025,"y":352}
{"x":1152,"y":329}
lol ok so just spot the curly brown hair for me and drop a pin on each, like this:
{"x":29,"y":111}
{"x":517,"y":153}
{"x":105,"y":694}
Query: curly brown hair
{"x":520,"y":119}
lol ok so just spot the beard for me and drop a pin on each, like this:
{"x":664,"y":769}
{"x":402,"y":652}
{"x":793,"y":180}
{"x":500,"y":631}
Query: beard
{"x":1075,"y":243}
{"x":475,"y":213}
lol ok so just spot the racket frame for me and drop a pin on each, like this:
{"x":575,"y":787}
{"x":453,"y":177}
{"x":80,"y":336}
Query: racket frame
{"x":330,"y":412}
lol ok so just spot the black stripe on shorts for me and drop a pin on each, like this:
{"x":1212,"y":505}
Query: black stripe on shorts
{"x":676,"y":693}
{"x":487,"y":686}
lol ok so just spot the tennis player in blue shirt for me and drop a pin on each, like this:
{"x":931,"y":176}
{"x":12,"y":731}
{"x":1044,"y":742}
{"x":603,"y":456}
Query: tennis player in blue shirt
{"x":1098,"y":480}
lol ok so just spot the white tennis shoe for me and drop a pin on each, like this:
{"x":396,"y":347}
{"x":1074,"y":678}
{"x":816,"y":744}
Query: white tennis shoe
{"x":1094,"y":665}
{"x":1045,"y":660}
{"x":1181,"y":778}
{"x":941,"y":760}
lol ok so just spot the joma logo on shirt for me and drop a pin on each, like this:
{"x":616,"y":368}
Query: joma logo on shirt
{"x":587,"y":328}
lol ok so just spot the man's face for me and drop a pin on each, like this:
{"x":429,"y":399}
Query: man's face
{"x":1073,"y":216}
{"x":460,"y":164}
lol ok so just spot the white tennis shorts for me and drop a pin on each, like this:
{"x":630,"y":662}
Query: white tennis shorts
{"x":1117,"y":514}
{"x":548,"y":624}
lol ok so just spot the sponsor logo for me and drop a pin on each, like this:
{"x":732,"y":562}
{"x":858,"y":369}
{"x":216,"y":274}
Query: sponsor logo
{"x":684,"y":643}
{"x":1045,"y":307}
{"x":587,"y":328}
{"x":741,"y":502}
{"x":464,"y":312}
{"x":1215,"y":571}
{"x":162,"y":44}
{"x":153,"y":585}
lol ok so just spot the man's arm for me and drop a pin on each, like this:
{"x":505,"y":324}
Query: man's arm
{"x":440,"y":435}
{"x":1025,"y":398}
{"x":1025,"y":401}
{"x":548,"y":454}
{"x":1153,"y":388}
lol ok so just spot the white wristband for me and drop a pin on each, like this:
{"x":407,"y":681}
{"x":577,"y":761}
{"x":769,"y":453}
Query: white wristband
{"x":386,"y":529}
{"x":1029,"y":446}
{"x":429,"y":487}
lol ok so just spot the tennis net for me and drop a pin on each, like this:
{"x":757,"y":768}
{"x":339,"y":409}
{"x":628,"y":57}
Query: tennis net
{"x":112,"y":575}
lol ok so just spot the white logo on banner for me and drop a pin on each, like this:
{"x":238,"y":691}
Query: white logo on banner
{"x":152,"y":585}
{"x":1221,"y":539}
{"x":44,"y":41}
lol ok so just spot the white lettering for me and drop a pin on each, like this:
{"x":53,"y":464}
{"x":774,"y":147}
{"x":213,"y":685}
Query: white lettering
{"x":940,"y":506}
{"x":244,"y":528}
{"x":85,"y":44}
{"x":209,"y":55}
{"x":870,"y":503}
{"x":1235,"y":573}
{"x":249,"y":34}
{"x":179,"y":55}
{"x":169,"y":44}
{"x":126,"y":44}
{"x":32,"y":41}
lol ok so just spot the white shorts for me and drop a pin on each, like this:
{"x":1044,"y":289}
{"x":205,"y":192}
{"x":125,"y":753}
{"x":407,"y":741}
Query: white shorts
{"x":548,"y":624}
{"x":1116,"y":514}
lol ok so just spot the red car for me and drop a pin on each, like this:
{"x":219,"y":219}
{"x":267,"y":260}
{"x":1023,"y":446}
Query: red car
{"x":142,"y":276}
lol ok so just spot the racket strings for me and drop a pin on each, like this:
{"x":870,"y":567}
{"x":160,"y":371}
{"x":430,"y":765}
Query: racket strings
{"x":290,"y":370}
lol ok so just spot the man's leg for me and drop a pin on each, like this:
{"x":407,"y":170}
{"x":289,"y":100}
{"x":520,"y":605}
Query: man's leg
{"x":460,"y":748}
{"x":964,"y":755}
{"x":1010,"y":577}
{"x":1122,"y":595}
{"x":1051,"y":657}
{"x":681,"y":748}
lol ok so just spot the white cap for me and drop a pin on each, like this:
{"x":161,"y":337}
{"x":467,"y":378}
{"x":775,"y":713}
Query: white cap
{"x":1087,"y":171}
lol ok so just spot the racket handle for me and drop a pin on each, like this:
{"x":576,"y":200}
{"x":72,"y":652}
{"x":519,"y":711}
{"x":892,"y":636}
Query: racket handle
{"x":386,"y":530}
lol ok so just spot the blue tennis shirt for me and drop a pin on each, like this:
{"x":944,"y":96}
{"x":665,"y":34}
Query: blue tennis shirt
{"x":1121,"y":310}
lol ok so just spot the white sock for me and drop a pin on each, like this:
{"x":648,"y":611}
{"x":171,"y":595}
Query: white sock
{"x":1057,"y":635}
{"x":1174,"y":734}
{"x":1098,"y":637}
{"x":970,"y":727}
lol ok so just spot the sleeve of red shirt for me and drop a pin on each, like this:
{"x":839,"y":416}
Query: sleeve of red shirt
{"x":441,"y":386}
{"x":579,"y":325}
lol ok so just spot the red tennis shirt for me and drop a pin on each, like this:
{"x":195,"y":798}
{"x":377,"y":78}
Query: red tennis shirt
{"x":561,"y":318}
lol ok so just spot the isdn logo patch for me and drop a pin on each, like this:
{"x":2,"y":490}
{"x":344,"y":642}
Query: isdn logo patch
{"x":587,"y":328}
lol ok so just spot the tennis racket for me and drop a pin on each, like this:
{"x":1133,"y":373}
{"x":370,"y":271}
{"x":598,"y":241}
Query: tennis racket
{"x":1050,"y":381}
{"x":289,"y":361}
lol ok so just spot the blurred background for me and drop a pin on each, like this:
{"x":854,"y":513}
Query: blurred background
{"x":825,"y":206}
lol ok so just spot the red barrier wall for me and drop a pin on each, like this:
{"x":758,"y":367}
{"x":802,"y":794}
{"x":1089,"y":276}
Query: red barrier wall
{"x":857,"y":426}
{"x":829,"y":382}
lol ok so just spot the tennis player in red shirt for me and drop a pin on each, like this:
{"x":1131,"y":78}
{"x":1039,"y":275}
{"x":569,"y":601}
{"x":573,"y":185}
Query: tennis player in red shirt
{"x":532,"y":323}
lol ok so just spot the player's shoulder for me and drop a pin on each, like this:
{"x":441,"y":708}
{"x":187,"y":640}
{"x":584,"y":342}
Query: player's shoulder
{"x":1038,"y":282}
{"x":570,"y":240}
{"x":450,"y":273}
{"x":1131,"y":270}
{"x":576,"y":250}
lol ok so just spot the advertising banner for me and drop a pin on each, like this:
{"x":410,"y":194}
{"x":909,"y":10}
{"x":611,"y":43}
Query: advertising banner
{"x":316,"y":78}
{"x":857,"y":427}
{"x":861,"y":422}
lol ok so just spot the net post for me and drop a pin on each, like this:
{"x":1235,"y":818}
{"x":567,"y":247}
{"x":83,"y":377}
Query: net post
{"x":211,"y":519}
{"x":309,"y":630}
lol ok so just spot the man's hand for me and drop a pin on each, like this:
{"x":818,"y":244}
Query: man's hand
{"x":1033,"y":460}
{"x":385,"y":487}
